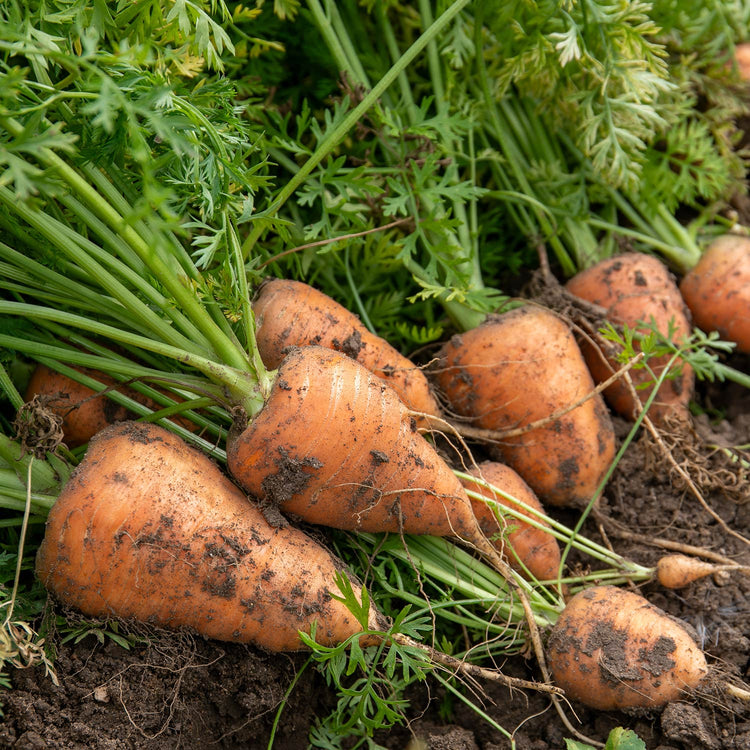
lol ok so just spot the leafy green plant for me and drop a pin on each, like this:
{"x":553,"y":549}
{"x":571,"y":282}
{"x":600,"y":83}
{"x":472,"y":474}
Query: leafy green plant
{"x":618,"y":739}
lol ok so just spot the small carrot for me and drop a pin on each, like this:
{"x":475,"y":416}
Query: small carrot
{"x":522,"y":367}
{"x":149,"y":528}
{"x":678,"y":571}
{"x":526,"y":547}
{"x":291,"y":313}
{"x":83,"y":412}
{"x":634,"y":288}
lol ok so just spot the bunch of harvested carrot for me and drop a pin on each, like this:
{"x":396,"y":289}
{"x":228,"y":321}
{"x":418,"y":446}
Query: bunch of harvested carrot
{"x":385,"y":476}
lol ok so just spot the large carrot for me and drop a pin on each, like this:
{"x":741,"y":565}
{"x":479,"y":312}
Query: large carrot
{"x":149,"y":528}
{"x":717,"y":289}
{"x":336,"y":446}
{"x":521,"y":368}
{"x":634,"y":288}
{"x":291,"y":313}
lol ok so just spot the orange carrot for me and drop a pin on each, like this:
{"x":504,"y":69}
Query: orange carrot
{"x":83,"y":411}
{"x":678,"y":571}
{"x":634,"y":287}
{"x":523,"y":545}
{"x":150,"y":528}
{"x":742,"y":60}
{"x":717,"y":290}
{"x":611,"y":649}
{"x":290,"y":313}
{"x":336,"y":446}
{"x":521,"y":367}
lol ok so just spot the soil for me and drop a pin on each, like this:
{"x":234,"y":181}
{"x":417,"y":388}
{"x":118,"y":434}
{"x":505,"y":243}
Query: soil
{"x":172,"y":691}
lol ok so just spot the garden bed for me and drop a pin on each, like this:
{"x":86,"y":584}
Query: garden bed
{"x":178,"y":691}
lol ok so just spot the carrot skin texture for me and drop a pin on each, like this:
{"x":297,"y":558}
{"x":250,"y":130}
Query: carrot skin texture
{"x":520,"y":367}
{"x":336,"y":446}
{"x":537,"y":549}
{"x":291,"y":313}
{"x":149,"y":528}
{"x":611,"y":649}
{"x":633,"y":287}
{"x":717,"y":290}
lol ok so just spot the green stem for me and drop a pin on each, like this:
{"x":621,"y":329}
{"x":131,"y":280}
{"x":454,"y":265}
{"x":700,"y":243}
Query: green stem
{"x":541,"y":521}
{"x":339,"y":132}
{"x":241,"y":384}
{"x":7,"y":386}
{"x":164,"y":266}
{"x":324,"y":23}
{"x":83,"y":253}
{"x":473,"y":706}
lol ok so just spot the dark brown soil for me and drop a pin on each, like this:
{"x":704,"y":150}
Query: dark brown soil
{"x":172,"y":691}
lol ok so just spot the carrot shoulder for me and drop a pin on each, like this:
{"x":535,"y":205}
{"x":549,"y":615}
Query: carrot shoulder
{"x":150,"y":528}
{"x":291,"y":313}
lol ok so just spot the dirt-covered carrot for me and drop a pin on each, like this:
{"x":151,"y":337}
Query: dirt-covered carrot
{"x":525,"y":546}
{"x":291,"y":313}
{"x":336,"y":446}
{"x":633,"y":288}
{"x":150,"y":528}
{"x":612,"y":649}
{"x":520,"y":368}
{"x":83,"y":411}
{"x":717,"y":290}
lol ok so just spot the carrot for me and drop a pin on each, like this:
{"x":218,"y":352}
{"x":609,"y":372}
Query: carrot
{"x":290,"y":313}
{"x":634,"y":288}
{"x":521,"y":367}
{"x":150,"y":528}
{"x":526,"y":547}
{"x":336,"y":446}
{"x":678,"y":571}
{"x":742,"y":60}
{"x":717,"y":290}
{"x":83,"y":411}
{"x":612,"y":649}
